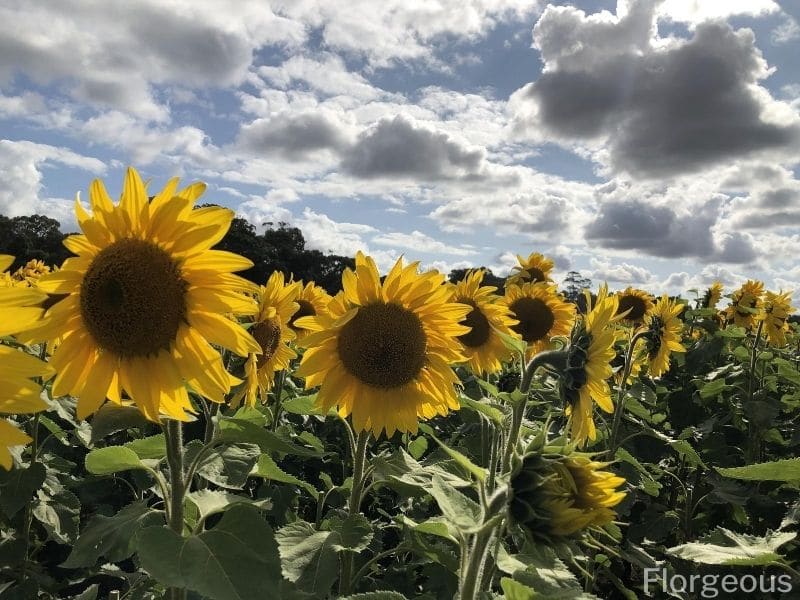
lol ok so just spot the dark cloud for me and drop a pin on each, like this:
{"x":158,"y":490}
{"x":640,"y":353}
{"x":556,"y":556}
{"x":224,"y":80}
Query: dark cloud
{"x":398,"y":148}
{"x":292,"y":136}
{"x":665,"y":110}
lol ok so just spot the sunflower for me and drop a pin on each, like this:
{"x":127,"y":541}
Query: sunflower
{"x":383,"y":353}
{"x":555,"y":496}
{"x":30,"y":272}
{"x":774,"y":315}
{"x":712,"y":295}
{"x":590,"y":354}
{"x":272,"y":330}
{"x":638,"y":302}
{"x":312,"y":301}
{"x":663,"y":336}
{"x":534,"y":269}
{"x":144,"y":300}
{"x":540,"y":313}
{"x":483,"y":347}
{"x":21,"y":305}
{"x":744,"y":302}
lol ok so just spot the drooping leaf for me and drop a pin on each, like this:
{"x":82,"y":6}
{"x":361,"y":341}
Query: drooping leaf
{"x":787,"y":469}
{"x":266,"y":468}
{"x":725,"y":547}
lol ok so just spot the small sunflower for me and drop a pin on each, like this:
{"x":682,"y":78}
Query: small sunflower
{"x":483,"y":347}
{"x":272,"y":330}
{"x":555,"y":496}
{"x":312,"y":301}
{"x":144,"y":300}
{"x":638,"y":302}
{"x":774,"y":314}
{"x":534,"y":269}
{"x":664,"y":330}
{"x":21,"y":305}
{"x":541,"y":314}
{"x":590,"y":354}
{"x":744,"y":302}
{"x":30,"y":272}
{"x":383,"y":354}
{"x":712,"y":295}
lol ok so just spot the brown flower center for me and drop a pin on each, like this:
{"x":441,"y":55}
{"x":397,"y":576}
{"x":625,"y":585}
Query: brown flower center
{"x":535,"y":318}
{"x":637,"y":305}
{"x":306,"y":310}
{"x":268,"y":336}
{"x":481,"y":329}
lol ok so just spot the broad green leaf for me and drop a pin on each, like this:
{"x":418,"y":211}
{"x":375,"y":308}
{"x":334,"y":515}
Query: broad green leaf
{"x":461,"y":511}
{"x":237,"y":560}
{"x":713,"y":388}
{"x":18,"y":486}
{"x":437,"y":526}
{"x":514,"y":590}
{"x":113,"y":459}
{"x":787,"y":469}
{"x":685,"y":450}
{"x":111,"y":537}
{"x":112,"y":418}
{"x":353,"y":533}
{"x":304,"y":405}
{"x":209,"y":502}
{"x":417,"y":447}
{"x":154,"y":446}
{"x":54,"y":428}
{"x":462,"y":460}
{"x":308,"y":557}
{"x":266,"y":468}
{"x":228,"y":466}
{"x":237,"y":430}
{"x":59,"y":516}
{"x":494,"y":414}
{"x":725,"y":547}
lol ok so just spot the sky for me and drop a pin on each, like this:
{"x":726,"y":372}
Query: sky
{"x":640,"y":142}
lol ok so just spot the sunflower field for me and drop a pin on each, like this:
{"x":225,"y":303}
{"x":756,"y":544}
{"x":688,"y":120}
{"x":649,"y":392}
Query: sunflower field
{"x":171,"y":430}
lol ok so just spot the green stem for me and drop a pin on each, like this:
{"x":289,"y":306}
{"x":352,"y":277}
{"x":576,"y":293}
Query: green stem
{"x":354,"y":506}
{"x":754,"y":434}
{"x":479,"y":549}
{"x":278,"y":392}
{"x":26,"y":534}
{"x":173,"y":432}
{"x":619,"y":409}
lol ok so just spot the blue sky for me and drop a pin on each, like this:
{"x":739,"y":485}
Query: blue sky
{"x":642,"y":142}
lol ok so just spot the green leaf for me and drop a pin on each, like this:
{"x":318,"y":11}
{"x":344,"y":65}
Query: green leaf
{"x":237,"y":430}
{"x":437,"y":526}
{"x":375,"y":596}
{"x":725,"y":547}
{"x":111,"y":537}
{"x":787,"y":371}
{"x":462,"y":460}
{"x":112,"y":418}
{"x":308,"y":557}
{"x":304,"y":405}
{"x":210,"y":502}
{"x":54,"y":428}
{"x":685,"y":450}
{"x":787,"y":469}
{"x":237,"y":560}
{"x":514,"y":590}
{"x":461,"y":511}
{"x":266,"y":468}
{"x":59,"y":516}
{"x":18,"y":486}
{"x":714,"y":388}
{"x":105,"y":461}
{"x":353,"y":533}
{"x":154,"y":446}
{"x":417,"y":447}
{"x":228,"y":466}
{"x":492,"y":413}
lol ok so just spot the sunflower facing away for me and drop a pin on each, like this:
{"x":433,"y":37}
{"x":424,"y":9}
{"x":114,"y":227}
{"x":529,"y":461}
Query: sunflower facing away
{"x":144,"y":300}
{"x":744,"y":302}
{"x":540,"y":313}
{"x":590,"y":354}
{"x":637,"y":302}
{"x":278,"y":302}
{"x":774,"y":314}
{"x":664,"y":330}
{"x":312,"y":301}
{"x":383,"y":354}
{"x":534,"y":269}
{"x":483,"y":347}
{"x":19,"y":308}
{"x":712,"y":296}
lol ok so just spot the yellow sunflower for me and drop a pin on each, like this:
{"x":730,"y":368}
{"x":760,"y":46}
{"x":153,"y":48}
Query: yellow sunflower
{"x":534,"y":269}
{"x":712,"y":296}
{"x":540,"y":312}
{"x":483,"y":347}
{"x":664,"y":330}
{"x":30,"y":272}
{"x":638,"y":302}
{"x":312,"y":301}
{"x":590,"y":354}
{"x":743,"y":301}
{"x":774,"y":314}
{"x":144,"y":300}
{"x":383,"y":355}
{"x":21,"y":305}
{"x":273,"y":333}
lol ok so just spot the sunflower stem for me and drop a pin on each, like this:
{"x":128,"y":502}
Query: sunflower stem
{"x":173,"y":432}
{"x":354,"y":506}
{"x":278,"y":392}
{"x":619,"y":409}
{"x":755,"y":434}
{"x":472,"y":575}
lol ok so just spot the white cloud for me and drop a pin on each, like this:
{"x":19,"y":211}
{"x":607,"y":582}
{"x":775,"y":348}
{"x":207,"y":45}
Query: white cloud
{"x":420,"y":242}
{"x":625,"y":273}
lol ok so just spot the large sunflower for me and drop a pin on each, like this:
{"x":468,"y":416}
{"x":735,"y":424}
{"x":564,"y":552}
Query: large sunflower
{"x":590,"y":354}
{"x":637,"y":302}
{"x":312,"y":301}
{"x":384,"y":353}
{"x":774,"y":314}
{"x":712,"y":295}
{"x":278,"y":302}
{"x":19,"y":308}
{"x":664,"y":330}
{"x":744,"y":302}
{"x":144,"y":300}
{"x":534,"y":269}
{"x":540,"y":313}
{"x":483,"y":347}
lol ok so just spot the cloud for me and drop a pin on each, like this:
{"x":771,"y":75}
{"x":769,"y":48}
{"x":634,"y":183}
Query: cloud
{"x":694,"y":11}
{"x":292,"y":135}
{"x":656,"y":107}
{"x":787,"y":31}
{"x":623,"y":273}
{"x":419,"y":242}
{"x":398,"y":148}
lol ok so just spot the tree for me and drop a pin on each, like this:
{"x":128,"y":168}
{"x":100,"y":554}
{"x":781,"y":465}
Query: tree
{"x":32,"y":237}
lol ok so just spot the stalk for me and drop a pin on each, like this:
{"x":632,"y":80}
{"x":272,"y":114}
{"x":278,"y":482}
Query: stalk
{"x":479,"y":550}
{"x":619,"y":409}
{"x":755,"y":443}
{"x":173,"y":432}
{"x":354,"y":507}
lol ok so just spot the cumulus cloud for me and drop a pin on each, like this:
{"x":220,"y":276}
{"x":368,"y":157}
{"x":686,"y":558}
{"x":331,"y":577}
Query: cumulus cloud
{"x":293,"y":135}
{"x":656,"y":107}
{"x":622,"y":273}
{"x":420,"y":242}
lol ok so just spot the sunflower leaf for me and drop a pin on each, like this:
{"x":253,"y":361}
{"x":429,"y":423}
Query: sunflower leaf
{"x":112,"y":459}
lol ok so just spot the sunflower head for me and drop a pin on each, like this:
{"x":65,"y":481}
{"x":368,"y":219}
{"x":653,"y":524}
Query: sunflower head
{"x":143,"y":301}
{"x":711,"y":296}
{"x":482,"y":346}
{"x":541,"y":314}
{"x":556,"y":496}
{"x":534,"y":269}
{"x":663,"y":334}
{"x":636,"y":304}
{"x":383,"y":353}
{"x":745,"y":303}
{"x":311,"y":300}
{"x":30,"y":272}
{"x":774,"y":314}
